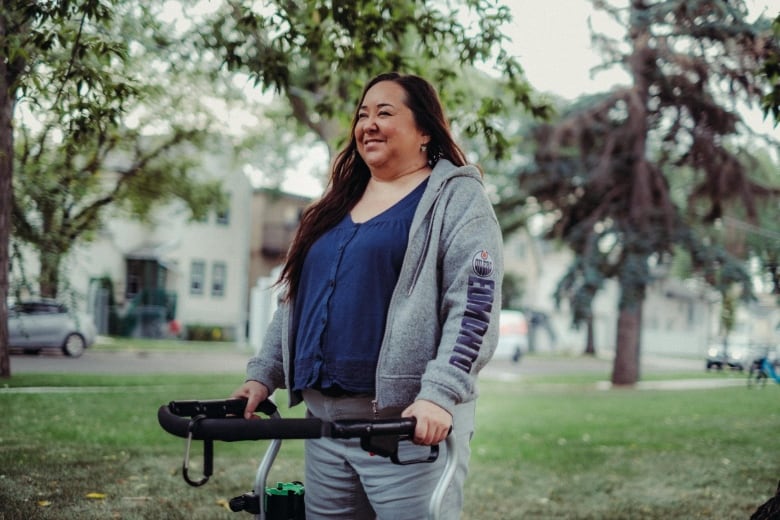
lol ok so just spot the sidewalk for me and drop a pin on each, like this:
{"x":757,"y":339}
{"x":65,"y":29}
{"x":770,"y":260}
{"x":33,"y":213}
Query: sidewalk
{"x":571,"y":364}
{"x":508,"y":371}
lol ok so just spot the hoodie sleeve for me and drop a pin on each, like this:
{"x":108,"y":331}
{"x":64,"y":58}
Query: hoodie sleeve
{"x":267,"y":366}
{"x":471,"y":270}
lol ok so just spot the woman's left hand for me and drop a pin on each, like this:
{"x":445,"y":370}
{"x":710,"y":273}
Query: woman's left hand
{"x":433,"y":422}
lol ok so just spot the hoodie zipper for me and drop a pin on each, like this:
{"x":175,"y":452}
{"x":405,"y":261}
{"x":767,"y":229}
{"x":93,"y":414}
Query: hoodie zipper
{"x":415,"y":277}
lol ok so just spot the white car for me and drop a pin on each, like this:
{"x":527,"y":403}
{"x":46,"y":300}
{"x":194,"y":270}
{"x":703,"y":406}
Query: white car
{"x":43,"y":324}
{"x":512,"y":336}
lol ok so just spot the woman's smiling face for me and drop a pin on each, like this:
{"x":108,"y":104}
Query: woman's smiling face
{"x":386,"y":133}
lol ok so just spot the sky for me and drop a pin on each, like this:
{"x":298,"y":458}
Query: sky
{"x":551,"y":40}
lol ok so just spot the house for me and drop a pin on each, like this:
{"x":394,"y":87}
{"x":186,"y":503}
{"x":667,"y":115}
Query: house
{"x":201,"y":267}
{"x":172,"y":276}
{"x":168,"y":275}
{"x":274,"y":220}
{"x":679,"y":317}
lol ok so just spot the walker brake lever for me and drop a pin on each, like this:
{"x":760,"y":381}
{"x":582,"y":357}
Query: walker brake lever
{"x":387,"y":446}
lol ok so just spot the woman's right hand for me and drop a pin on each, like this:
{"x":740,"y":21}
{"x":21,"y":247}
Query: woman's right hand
{"x":255,"y":393}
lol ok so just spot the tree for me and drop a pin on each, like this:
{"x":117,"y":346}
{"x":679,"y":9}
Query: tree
{"x":757,"y":239}
{"x":771,"y":69}
{"x":603,"y":169}
{"x":24,"y":41}
{"x":753,"y":241}
{"x":10,"y":69}
{"x":317,"y":55}
{"x":72,"y":66}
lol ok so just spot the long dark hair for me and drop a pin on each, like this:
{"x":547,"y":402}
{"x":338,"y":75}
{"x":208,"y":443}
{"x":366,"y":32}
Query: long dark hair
{"x":350,"y":174}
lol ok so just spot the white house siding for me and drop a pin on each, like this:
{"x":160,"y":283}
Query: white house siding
{"x":212,"y":242}
{"x":678,"y":318}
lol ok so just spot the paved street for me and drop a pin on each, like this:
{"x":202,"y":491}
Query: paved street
{"x":226,"y":361}
{"x":140,"y":362}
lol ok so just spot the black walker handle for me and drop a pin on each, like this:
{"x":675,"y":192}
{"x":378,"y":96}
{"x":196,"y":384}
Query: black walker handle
{"x":230,"y":429}
{"x":222,"y":420}
{"x":218,"y":408}
{"x":170,"y":418}
{"x":217,"y":421}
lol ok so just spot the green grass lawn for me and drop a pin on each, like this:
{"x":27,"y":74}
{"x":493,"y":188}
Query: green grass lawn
{"x":91,"y":448}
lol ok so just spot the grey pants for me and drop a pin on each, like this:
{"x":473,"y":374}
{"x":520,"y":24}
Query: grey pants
{"x":344,"y":482}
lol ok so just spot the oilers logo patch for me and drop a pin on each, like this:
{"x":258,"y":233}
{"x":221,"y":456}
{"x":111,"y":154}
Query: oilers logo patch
{"x":482,"y":264}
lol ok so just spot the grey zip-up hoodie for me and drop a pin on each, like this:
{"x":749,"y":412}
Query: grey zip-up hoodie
{"x":442,"y":322}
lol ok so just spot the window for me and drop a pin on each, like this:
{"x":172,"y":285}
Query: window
{"x":135,"y":272}
{"x":197,"y":276}
{"x":223,"y":217}
{"x":133,"y":285}
{"x":223,"y":213}
{"x":37,"y":308}
{"x":218,"y":275}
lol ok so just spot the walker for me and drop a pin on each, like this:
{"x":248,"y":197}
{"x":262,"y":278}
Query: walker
{"x":222,"y":420}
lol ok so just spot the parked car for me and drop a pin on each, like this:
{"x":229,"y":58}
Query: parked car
{"x":43,"y":324}
{"x":736,"y":357}
{"x":512,"y":336}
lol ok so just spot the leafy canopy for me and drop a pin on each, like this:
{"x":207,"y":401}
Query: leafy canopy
{"x":319,"y":54}
{"x":94,"y":129}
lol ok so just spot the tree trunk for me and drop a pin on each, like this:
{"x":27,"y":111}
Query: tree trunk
{"x":50,"y":273}
{"x":590,"y":346}
{"x":6,"y":196}
{"x":625,"y":370}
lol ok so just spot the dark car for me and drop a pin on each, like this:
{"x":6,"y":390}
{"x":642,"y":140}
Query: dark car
{"x":45,"y":324}
{"x":735,"y":357}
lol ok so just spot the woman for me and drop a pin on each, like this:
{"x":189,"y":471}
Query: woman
{"x":393,"y":287}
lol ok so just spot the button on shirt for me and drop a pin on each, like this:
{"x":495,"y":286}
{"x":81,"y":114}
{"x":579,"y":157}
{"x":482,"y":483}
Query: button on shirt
{"x":346,"y":284}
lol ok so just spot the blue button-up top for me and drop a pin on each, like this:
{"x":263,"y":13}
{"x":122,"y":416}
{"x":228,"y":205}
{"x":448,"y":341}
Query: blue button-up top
{"x":346,"y":284}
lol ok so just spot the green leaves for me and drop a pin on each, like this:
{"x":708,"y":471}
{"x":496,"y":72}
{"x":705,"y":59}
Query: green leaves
{"x":101,"y":124}
{"x":771,"y":70}
{"x":319,"y":54}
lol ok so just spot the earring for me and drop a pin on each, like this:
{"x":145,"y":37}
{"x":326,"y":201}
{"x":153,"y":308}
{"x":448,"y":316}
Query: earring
{"x":424,"y":148}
